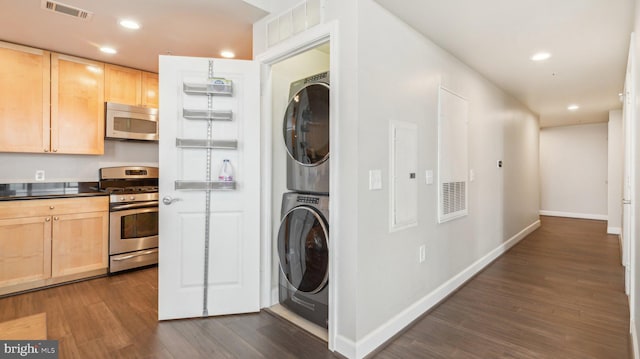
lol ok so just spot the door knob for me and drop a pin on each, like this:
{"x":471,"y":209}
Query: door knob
{"x":168,"y":200}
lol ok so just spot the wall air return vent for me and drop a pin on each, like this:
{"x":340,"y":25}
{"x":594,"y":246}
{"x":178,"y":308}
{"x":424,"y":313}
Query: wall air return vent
{"x":66,"y":10}
{"x":452,"y":156}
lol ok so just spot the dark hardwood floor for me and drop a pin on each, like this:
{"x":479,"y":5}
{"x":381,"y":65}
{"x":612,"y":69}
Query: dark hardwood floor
{"x":557,"y":294}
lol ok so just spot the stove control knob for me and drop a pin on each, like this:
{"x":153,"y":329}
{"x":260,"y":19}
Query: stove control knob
{"x":132,"y":198}
{"x":122,"y":199}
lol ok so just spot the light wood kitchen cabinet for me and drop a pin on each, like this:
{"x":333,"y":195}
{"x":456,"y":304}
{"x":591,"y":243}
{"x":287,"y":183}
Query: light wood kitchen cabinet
{"x":25,"y":250}
{"x":150,"y":94}
{"x":24,"y":98}
{"x":50,"y":102}
{"x":77,"y":105}
{"x":129,"y":86}
{"x":51,"y":241}
{"x":80,"y":243}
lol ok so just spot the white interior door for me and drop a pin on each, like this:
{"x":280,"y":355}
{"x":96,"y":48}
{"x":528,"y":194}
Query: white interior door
{"x":628,"y":232}
{"x":231,"y":265}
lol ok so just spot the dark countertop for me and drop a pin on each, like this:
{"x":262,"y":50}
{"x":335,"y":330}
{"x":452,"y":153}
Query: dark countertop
{"x":20,"y":191}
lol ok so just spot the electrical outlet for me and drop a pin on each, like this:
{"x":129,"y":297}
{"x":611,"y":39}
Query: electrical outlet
{"x":39,"y":175}
{"x":423,"y":253}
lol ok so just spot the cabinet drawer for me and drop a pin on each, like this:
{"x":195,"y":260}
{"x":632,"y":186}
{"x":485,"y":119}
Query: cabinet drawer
{"x":47,"y":207}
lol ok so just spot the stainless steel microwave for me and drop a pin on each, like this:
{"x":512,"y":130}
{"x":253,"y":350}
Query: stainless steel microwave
{"x":125,"y":122}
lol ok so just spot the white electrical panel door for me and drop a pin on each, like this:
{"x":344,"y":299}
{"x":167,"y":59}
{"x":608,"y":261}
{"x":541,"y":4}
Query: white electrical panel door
{"x":404,"y":168}
{"x":452,"y":156}
{"x":209,"y":231}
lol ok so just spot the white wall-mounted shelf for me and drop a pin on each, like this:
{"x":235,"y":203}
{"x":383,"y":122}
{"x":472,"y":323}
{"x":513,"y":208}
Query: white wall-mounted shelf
{"x":214,"y":115}
{"x":205,"y":185}
{"x":215,"y":88}
{"x":212,"y":144}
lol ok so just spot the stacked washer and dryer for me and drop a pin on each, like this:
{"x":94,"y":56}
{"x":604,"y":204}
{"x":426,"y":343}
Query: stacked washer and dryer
{"x":303,"y":237}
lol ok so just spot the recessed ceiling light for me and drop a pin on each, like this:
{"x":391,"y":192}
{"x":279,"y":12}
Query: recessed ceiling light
{"x":573,"y":107}
{"x":130,"y":24}
{"x":108,"y":50}
{"x":540,"y":56}
{"x":227,"y":54}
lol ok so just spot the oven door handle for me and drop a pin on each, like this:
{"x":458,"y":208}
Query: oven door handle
{"x":135,"y":205}
{"x":136,"y":255}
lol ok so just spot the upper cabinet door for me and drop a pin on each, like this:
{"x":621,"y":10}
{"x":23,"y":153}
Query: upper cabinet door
{"x":24,"y":99}
{"x":122,"y":85}
{"x":77,"y":105}
{"x":149,"y":89}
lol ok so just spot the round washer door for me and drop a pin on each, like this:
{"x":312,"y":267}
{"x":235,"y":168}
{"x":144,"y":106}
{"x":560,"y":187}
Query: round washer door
{"x":303,"y":249}
{"x":306,"y":125}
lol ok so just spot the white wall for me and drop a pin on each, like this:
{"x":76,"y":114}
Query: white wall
{"x":573,"y":171}
{"x":615,"y":153}
{"x":387,"y":71}
{"x":21,"y":167}
{"x":634,"y":295}
{"x":400,"y":72}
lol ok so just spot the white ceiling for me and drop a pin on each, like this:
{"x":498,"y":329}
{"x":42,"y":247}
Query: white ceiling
{"x":588,"y":40}
{"x":180,"y":27}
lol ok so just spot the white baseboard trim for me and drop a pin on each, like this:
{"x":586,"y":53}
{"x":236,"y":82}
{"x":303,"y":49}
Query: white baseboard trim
{"x":614,"y":230}
{"x":600,"y":217}
{"x":386,"y":331}
{"x":634,"y":340}
{"x":345,"y":346}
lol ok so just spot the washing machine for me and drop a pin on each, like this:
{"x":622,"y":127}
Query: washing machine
{"x":303,"y":251}
{"x":306,"y":135}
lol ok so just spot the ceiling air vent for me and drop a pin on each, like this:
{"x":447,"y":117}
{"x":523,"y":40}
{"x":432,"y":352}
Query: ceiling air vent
{"x":66,"y":10}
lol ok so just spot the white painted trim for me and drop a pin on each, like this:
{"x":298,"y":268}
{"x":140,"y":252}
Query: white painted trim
{"x":299,"y":43}
{"x":614,"y":230}
{"x":385,"y":332}
{"x":345,"y":346}
{"x":635,"y":346}
{"x":600,"y":217}
{"x":266,"y":198}
{"x":292,"y":46}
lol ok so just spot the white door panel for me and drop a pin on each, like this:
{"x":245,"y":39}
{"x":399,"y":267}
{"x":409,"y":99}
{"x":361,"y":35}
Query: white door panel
{"x":233,"y":281}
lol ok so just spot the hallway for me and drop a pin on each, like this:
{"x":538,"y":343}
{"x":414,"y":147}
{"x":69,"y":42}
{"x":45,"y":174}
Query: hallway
{"x":557,"y":294}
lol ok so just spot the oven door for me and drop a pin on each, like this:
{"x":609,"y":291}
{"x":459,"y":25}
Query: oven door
{"x":133,"y":230}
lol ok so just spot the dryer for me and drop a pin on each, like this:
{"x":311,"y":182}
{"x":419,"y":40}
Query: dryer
{"x":306,"y":135}
{"x":303,"y":251}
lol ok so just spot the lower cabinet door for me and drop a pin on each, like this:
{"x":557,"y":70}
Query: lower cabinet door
{"x":25,"y":250}
{"x":80,"y":243}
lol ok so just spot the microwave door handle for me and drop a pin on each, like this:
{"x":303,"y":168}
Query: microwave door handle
{"x":135,"y":205}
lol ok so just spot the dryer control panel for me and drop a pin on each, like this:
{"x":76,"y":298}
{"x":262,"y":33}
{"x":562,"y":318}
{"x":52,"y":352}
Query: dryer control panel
{"x":308,"y":200}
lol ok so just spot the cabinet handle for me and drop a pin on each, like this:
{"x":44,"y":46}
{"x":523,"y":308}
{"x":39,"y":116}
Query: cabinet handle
{"x":46,"y":150}
{"x":56,"y":218}
{"x":48,"y":219}
{"x":55,"y":150}
{"x":52,"y":207}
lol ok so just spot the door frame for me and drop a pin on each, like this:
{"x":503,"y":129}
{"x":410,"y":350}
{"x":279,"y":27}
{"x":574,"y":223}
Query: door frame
{"x":300,"y":43}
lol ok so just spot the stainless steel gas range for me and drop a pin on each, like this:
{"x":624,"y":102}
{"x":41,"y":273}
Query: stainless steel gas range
{"x":133,"y":216}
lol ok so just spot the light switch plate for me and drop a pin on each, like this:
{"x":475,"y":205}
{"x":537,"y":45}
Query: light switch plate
{"x":375,"y":180}
{"x":40,"y":175}
{"x":429,"y":176}
{"x":472,"y":175}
